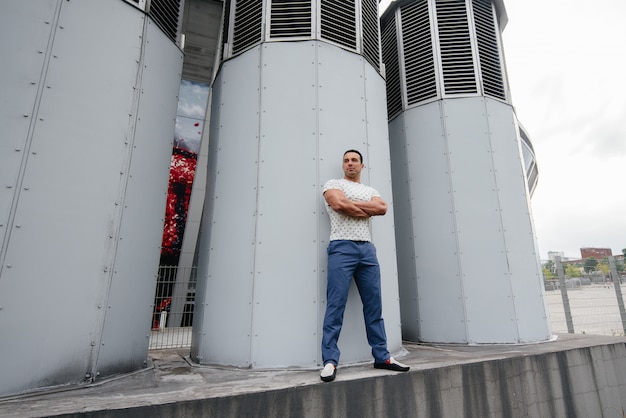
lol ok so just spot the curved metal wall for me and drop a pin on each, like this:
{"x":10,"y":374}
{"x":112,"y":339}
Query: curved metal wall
{"x":468,"y":261}
{"x":353,"y":26}
{"x":283,"y":113}
{"x":88,"y":120}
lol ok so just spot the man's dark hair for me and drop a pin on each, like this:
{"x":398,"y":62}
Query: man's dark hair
{"x":355,"y":151}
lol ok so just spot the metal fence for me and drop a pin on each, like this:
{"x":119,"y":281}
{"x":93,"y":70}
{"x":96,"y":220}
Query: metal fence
{"x":575,"y":305}
{"x":586,"y":305}
{"x":174,"y":301}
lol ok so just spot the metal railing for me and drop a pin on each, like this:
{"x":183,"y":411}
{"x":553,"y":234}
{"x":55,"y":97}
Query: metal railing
{"x":174,"y":302}
{"x":585,"y":305}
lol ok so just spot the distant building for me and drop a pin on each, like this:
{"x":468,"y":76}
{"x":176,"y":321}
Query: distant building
{"x":553,"y":254}
{"x":598,"y":253}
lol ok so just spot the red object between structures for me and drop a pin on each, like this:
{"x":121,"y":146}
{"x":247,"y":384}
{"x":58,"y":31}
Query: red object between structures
{"x":182,"y":170}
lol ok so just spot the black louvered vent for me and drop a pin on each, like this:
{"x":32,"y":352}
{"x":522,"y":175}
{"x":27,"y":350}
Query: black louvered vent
{"x":166,"y":14}
{"x":488,"y":52}
{"x":338,"y":22}
{"x":371,"y":47}
{"x":247,"y":28}
{"x":290,"y":19}
{"x":419,"y":61}
{"x":457,"y":64}
{"x":392,"y":68}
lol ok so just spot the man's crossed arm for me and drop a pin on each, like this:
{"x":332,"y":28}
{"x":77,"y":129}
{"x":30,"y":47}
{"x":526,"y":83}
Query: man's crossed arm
{"x":356,"y":208}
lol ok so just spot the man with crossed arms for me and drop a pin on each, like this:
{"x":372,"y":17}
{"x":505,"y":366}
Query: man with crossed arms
{"x":351,"y":253}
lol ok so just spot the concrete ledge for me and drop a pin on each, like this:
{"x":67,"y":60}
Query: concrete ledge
{"x":575,"y":376}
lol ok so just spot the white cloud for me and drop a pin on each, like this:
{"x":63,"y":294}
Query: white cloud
{"x":566,"y":60}
{"x":192,"y":100}
{"x":191,"y":110}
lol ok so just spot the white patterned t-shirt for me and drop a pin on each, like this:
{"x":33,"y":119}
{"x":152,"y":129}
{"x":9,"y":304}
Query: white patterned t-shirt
{"x":344,"y":227}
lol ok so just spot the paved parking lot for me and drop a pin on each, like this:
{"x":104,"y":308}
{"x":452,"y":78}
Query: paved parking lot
{"x":594,"y":310}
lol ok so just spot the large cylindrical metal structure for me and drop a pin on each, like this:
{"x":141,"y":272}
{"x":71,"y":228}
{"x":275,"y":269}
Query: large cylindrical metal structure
{"x":89,"y":99}
{"x":287,"y":102}
{"x":468,"y":261}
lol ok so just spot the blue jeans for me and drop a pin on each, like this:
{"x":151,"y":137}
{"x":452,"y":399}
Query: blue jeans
{"x":347,"y":259}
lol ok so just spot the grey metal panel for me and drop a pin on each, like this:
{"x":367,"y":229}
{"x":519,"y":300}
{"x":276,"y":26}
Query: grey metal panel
{"x":439,"y":284}
{"x":521,"y":246}
{"x":378,"y":163}
{"x":285,"y":303}
{"x":26,"y":28}
{"x":67,"y":213}
{"x":342,"y":100}
{"x":277,"y":135}
{"x":205,"y":225}
{"x":344,"y":123}
{"x":342,"y":126}
{"x":482,"y":250}
{"x":124,"y":344}
{"x":227,"y":259}
{"x":459,"y":177}
{"x":404,"y":231}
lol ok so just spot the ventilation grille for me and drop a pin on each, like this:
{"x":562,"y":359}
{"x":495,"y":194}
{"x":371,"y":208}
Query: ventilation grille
{"x":371,"y":47}
{"x":419,"y":61}
{"x":349,"y":24}
{"x":392,"y":69}
{"x":456,"y":49}
{"x":166,"y":14}
{"x":338,"y":22}
{"x":290,"y":19}
{"x":248,"y":26}
{"x":488,"y":52}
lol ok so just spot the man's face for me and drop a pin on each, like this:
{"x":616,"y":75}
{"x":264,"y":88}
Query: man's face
{"x":352,"y":165}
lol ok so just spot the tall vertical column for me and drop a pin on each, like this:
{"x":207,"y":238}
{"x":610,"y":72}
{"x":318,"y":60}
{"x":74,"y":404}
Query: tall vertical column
{"x":468,"y":262}
{"x":282,"y":115}
{"x":87,"y":118}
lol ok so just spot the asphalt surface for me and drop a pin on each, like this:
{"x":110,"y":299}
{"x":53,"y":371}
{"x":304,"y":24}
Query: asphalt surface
{"x":171,"y":377}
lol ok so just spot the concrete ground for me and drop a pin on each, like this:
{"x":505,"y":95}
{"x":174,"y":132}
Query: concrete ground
{"x":171,"y":384}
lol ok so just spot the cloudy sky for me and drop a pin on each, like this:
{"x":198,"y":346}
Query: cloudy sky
{"x":192,"y":104}
{"x":566,"y":62}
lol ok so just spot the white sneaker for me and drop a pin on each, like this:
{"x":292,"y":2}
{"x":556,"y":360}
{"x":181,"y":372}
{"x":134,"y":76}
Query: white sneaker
{"x":328,"y":372}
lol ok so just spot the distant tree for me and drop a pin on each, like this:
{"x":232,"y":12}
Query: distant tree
{"x":603,"y":266}
{"x":549,"y":270}
{"x":547,"y":273}
{"x":619,"y":264}
{"x":571,"y":270}
{"x":590,"y":264}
